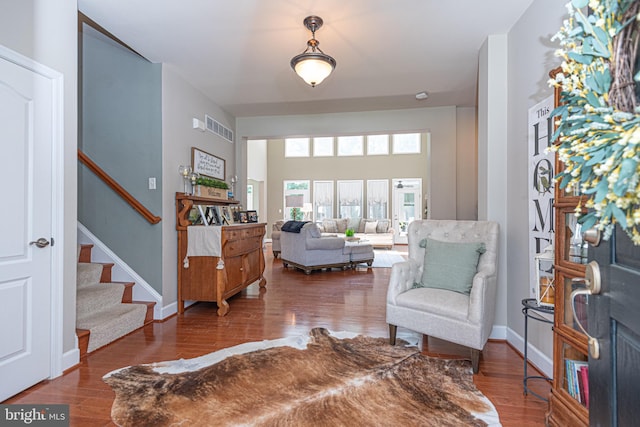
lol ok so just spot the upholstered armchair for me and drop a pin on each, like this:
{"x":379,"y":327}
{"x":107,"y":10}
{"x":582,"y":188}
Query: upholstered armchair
{"x":275,"y":237}
{"x":447,"y":288}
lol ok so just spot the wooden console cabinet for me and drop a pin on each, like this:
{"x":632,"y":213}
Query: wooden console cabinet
{"x":215,"y":279}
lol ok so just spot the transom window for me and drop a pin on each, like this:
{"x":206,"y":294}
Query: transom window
{"x":351,"y":145}
{"x":296,"y":147}
{"x":406,"y":143}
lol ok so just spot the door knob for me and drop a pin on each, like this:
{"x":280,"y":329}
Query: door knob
{"x":593,"y":284}
{"x":41,"y":242}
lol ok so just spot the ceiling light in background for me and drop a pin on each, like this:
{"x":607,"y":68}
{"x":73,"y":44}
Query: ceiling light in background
{"x":421,"y":96}
{"x":313,"y":65}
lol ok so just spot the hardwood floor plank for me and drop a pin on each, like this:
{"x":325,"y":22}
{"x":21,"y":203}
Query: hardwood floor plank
{"x":292,"y":304}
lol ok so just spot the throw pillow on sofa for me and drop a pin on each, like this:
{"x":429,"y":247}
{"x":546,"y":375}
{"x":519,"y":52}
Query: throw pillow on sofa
{"x":371,"y":227}
{"x":329,"y":226}
{"x":383,"y":225}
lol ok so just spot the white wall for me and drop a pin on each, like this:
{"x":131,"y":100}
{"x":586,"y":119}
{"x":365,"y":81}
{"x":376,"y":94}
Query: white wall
{"x":492,"y":153}
{"x":467,"y":164}
{"x":530,"y":58}
{"x":46,"y":32}
{"x":181,"y":102}
{"x":440,"y":122}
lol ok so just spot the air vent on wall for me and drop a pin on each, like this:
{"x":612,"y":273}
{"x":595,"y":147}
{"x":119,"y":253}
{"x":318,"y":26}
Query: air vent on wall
{"x":216,"y":127}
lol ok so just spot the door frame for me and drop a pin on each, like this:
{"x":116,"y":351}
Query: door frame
{"x":57,"y":202}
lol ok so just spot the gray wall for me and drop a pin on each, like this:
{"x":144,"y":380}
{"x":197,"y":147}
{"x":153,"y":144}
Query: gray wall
{"x":46,"y":31}
{"x":121,"y":132}
{"x":530,"y":58}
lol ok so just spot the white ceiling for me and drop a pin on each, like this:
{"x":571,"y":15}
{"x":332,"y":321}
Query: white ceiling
{"x":238,"y":51}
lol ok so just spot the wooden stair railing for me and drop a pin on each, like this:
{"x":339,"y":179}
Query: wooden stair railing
{"x":135,"y":204}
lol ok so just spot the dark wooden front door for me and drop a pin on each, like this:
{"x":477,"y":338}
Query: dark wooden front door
{"x":614,"y":320}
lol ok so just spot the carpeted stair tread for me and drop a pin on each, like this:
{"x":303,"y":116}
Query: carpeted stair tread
{"x":97,"y":297}
{"x":89,"y":273}
{"x":111,"y":323}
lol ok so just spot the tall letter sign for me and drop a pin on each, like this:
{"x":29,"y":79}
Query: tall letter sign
{"x":541,"y":220}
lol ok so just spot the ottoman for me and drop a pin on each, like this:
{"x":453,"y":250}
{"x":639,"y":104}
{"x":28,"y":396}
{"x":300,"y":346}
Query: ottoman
{"x":359,"y":252}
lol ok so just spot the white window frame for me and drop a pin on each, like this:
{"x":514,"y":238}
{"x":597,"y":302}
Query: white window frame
{"x":371,"y":139}
{"x":374,"y":194}
{"x":305,"y":193}
{"x":319,"y":195}
{"x":399,"y":139}
{"x":355,"y":140}
{"x":295,"y":147}
{"x":353,"y":188}
{"x":323,"y":140}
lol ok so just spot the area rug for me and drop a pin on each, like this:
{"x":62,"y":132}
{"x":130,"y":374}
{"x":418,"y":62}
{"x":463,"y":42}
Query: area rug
{"x":385,"y":258}
{"x":323,"y":379}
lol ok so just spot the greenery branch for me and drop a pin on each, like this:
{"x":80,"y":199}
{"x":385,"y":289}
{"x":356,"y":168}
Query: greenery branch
{"x":598,"y":120}
{"x":211,"y":182}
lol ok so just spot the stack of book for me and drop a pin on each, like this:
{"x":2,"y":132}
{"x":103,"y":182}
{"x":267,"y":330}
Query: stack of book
{"x":577,"y":374}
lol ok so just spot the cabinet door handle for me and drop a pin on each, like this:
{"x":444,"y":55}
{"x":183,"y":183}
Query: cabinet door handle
{"x":593,"y":284}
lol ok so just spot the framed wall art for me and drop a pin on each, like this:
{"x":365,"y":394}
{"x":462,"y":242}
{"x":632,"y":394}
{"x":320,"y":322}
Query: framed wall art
{"x":207,"y":164}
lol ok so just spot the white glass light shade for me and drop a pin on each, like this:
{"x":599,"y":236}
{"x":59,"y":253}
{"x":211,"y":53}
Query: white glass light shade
{"x":313,"y":68}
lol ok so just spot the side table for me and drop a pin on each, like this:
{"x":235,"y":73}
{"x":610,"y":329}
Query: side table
{"x":531,"y":309}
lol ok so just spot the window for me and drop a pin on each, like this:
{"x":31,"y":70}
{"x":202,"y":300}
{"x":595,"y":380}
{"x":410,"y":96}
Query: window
{"x":250,"y":197}
{"x":350,"y":145}
{"x":349,"y":199}
{"x":406,"y":143}
{"x":322,"y":200}
{"x":296,"y":147}
{"x":377,"y":198}
{"x":377,"y":145}
{"x":323,"y":146}
{"x":296,"y":194}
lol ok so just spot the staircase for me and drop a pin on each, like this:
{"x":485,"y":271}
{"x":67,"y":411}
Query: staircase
{"x":104,"y":309}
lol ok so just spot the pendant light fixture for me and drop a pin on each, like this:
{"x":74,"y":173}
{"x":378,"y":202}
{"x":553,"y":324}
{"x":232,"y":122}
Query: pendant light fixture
{"x":313,"y":65}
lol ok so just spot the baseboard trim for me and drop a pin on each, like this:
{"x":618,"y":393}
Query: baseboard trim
{"x":498,"y":333}
{"x":536,"y":357}
{"x":70,"y":359}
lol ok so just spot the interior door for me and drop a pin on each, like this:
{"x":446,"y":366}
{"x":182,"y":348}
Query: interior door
{"x":407,"y":206}
{"x":26,"y":129}
{"x":614,"y":321}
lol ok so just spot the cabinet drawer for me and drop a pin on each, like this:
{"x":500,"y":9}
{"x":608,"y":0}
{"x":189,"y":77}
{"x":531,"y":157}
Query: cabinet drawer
{"x":239,"y":247}
{"x":243,"y":233}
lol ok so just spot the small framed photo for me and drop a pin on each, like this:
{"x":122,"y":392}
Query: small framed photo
{"x":226,"y":214}
{"x":252,"y":216}
{"x":241,"y":216}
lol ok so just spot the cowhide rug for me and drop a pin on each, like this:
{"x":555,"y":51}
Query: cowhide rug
{"x":320,"y":380}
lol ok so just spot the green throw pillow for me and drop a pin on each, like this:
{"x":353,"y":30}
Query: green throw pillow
{"x":450,"y":265}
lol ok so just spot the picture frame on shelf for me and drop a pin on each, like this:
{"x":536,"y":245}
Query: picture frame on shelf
{"x":252,"y":216}
{"x":242,"y":217}
{"x":227,"y":214}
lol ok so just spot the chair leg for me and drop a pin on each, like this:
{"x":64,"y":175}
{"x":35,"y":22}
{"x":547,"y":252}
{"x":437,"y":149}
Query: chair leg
{"x":392,"y":334}
{"x":475,"y":360}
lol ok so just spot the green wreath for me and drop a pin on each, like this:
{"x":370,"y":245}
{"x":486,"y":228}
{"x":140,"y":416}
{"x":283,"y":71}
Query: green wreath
{"x":598,"y":133}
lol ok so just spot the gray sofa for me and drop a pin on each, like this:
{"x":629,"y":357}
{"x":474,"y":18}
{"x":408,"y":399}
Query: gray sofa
{"x":308,"y":250}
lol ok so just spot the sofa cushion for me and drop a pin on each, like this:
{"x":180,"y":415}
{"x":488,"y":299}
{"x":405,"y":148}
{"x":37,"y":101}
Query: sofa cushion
{"x":342,"y":224}
{"x":371,"y":227}
{"x":314,"y":231}
{"x":354,"y":223}
{"x":363,"y":223}
{"x":450,"y":265}
{"x":329,"y":226}
{"x":324,"y":243}
{"x":383,"y":225}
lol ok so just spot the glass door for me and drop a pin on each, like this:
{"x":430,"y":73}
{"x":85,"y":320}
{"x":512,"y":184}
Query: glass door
{"x":407,"y":206}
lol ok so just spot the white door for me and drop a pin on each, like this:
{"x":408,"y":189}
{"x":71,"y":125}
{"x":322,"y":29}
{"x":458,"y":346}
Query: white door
{"x":407,"y":206}
{"x":26,"y":141}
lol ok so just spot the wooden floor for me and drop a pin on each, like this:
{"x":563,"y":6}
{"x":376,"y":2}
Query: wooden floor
{"x":293,"y":303}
